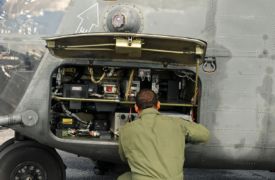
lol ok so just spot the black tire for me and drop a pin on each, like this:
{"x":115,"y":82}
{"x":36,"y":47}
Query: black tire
{"x":6,"y":144}
{"x":29,"y":160}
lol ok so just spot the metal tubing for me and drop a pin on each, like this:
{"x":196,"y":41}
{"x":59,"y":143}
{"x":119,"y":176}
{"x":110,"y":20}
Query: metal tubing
{"x":129,"y":84}
{"x":115,"y":101}
{"x":27,"y":118}
{"x":196,"y":83}
{"x":10,"y":120}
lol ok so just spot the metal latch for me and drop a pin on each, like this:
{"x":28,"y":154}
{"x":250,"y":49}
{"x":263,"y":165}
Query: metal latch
{"x":209,"y":64}
{"x":129,"y":46}
{"x":50,"y":44}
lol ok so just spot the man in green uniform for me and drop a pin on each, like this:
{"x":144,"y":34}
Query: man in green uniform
{"x":153,"y":145}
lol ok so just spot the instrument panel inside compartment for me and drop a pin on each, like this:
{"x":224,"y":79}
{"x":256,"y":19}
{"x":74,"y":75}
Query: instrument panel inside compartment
{"x":93,"y":102}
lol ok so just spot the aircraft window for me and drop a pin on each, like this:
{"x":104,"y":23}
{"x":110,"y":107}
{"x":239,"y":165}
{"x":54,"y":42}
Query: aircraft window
{"x":17,"y":67}
{"x":94,"y":102}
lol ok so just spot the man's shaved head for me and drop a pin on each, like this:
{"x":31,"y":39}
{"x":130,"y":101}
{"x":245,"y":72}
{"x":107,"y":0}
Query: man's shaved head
{"x":146,"y":98}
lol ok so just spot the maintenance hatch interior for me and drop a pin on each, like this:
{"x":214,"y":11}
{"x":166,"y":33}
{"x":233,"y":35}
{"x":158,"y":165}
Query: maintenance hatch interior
{"x":91,"y":101}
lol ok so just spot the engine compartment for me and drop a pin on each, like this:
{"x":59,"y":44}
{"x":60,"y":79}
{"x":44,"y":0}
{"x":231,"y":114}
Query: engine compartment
{"x":93,"y":102}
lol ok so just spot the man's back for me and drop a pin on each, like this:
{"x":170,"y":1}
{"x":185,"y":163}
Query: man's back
{"x":154,"y":145}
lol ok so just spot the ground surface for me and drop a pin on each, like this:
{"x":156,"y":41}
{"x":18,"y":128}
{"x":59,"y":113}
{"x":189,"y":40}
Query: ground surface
{"x":80,"y":168}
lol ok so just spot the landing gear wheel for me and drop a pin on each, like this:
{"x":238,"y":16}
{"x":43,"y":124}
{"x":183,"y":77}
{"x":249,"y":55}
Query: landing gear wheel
{"x":29,"y":163}
{"x":29,"y":171}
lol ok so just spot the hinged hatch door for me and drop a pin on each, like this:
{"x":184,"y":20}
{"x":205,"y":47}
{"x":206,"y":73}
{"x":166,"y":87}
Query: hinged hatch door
{"x":128,"y":47}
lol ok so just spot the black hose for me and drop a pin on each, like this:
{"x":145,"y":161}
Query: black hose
{"x":70,"y":114}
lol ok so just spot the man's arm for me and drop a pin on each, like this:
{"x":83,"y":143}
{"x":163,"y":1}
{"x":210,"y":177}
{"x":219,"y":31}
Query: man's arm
{"x":195,"y":133}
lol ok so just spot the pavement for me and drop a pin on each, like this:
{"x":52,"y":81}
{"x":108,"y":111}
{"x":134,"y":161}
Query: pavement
{"x":80,"y":168}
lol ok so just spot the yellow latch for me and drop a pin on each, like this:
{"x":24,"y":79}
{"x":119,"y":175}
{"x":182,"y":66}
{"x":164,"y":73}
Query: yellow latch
{"x":50,"y":44}
{"x":199,"y":51}
{"x":129,"y":46}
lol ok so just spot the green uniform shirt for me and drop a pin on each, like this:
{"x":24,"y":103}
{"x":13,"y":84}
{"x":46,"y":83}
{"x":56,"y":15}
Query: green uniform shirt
{"x":153,"y":145}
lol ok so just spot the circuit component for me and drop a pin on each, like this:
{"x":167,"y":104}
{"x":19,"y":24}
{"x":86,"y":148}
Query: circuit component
{"x":95,"y":101}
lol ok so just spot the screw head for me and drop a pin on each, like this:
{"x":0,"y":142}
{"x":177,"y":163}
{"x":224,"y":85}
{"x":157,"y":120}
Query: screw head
{"x":118,"y":20}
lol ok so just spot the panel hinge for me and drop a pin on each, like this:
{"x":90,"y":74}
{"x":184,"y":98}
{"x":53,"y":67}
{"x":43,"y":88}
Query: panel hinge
{"x":129,"y":46}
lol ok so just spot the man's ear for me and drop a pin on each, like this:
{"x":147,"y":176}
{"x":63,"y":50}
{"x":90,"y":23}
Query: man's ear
{"x":158,"y":105}
{"x":136,"y":108}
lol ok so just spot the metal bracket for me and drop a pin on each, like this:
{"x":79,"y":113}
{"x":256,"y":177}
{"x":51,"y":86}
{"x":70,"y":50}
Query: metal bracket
{"x":209,"y":64}
{"x":27,"y":118}
{"x":129,"y":46}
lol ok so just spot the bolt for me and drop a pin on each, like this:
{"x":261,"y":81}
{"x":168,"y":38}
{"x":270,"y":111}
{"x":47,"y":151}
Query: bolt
{"x":30,"y":117}
{"x":118,"y":20}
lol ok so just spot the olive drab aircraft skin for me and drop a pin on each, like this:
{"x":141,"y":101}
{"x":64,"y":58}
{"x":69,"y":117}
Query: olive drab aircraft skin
{"x":70,"y":71}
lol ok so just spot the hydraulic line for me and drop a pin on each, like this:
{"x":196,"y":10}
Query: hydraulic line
{"x":70,"y":114}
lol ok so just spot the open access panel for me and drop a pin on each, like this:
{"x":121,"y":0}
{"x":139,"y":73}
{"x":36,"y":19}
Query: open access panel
{"x":93,"y":92}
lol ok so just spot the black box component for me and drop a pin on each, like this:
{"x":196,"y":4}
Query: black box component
{"x":169,"y":91}
{"x":100,"y":125}
{"x":105,"y":107}
{"x":173,"y":91}
{"x":75,"y":91}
